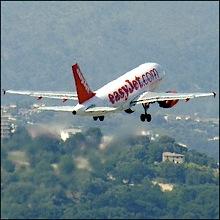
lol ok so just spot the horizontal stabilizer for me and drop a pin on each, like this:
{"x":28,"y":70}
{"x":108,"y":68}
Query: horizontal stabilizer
{"x":56,"y":108}
{"x":90,"y":111}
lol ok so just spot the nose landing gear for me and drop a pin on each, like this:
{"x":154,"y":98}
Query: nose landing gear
{"x":145,"y":116}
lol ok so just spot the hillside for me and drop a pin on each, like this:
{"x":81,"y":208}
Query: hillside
{"x":193,"y":131}
{"x":44,"y":177}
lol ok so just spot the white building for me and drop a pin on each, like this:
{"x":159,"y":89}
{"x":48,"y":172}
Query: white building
{"x":5,"y":126}
{"x":173,"y":157}
{"x":7,"y":123}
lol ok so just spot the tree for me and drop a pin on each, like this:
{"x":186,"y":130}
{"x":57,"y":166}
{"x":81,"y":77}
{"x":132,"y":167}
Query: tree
{"x":63,"y":191}
{"x":172,"y":172}
{"x":66,"y":164}
{"x":47,"y":143}
{"x":19,"y":139}
{"x":74,"y":143}
{"x":155,"y":151}
{"x":166,"y":140}
{"x":93,"y":137}
{"x":8,"y":165}
{"x":18,"y":192}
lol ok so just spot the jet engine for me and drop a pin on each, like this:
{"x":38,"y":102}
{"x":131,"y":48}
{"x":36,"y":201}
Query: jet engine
{"x":168,"y":103}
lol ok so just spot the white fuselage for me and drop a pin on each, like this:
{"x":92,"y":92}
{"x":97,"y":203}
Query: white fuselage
{"x":120,"y":92}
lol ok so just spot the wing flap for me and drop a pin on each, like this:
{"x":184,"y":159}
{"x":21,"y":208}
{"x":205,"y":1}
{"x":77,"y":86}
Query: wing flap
{"x":149,"y":97}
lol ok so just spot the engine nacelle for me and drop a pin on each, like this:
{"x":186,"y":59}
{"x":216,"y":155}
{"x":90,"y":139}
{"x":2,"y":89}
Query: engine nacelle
{"x":168,"y":103}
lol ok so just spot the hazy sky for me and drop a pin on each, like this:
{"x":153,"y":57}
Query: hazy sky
{"x":41,"y":40}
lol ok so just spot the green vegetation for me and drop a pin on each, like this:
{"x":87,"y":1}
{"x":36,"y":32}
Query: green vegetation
{"x":197,"y":133}
{"x":75,"y":179}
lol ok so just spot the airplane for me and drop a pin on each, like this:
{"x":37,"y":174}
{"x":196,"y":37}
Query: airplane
{"x":122,"y":94}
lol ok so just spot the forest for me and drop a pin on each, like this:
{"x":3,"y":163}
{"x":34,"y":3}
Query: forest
{"x":45,"y":177}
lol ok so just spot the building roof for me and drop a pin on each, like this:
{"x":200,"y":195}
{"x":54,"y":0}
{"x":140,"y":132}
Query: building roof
{"x":170,"y":154}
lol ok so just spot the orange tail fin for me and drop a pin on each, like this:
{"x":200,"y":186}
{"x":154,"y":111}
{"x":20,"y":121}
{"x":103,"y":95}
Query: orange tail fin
{"x":83,"y":91}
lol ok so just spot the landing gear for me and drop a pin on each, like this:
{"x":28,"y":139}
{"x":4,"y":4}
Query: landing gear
{"x":101,"y":118}
{"x":145,"y":116}
{"x":129,"y":111}
{"x":142,"y":117}
{"x":148,"y":117}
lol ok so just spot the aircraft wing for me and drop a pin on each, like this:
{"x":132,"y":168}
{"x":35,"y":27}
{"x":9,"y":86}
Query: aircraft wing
{"x":45,"y":94}
{"x":150,"y":97}
{"x":101,"y":109}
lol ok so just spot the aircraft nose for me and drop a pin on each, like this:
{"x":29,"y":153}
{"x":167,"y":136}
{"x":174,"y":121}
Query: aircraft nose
{"x":161,"y":71}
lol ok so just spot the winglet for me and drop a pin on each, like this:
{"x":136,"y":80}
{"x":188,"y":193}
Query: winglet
{"x":214,"y":94}
{"x":83,"y":91}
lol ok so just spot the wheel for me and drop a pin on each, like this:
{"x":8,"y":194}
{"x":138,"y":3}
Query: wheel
{"x":142,"y":117}
{"x":95,"y":118}
{"x":101,"y":118}
{"x":148,"y":117}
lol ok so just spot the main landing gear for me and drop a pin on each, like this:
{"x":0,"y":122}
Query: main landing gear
{"x":101,"y":118}
{"x":145,"y":116}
